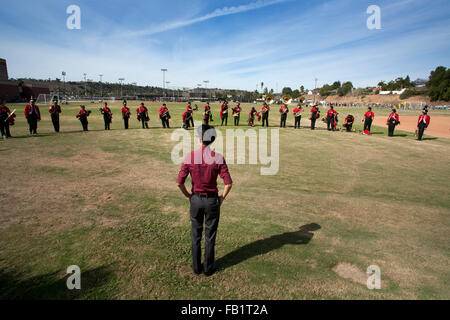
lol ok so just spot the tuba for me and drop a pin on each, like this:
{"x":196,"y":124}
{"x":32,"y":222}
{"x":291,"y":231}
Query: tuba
{"x":287,"y":99}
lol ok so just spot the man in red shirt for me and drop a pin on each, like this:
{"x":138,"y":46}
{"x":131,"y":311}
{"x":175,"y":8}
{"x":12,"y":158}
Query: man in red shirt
{"x":265,"y":114}
{"x":423,"y":123}
{"x":191,"y":111}
{"x":297,"y":116}
{"x":125,"y":114}
{"x":33,"y":115}
{"x":331,"y":119}
{"x":55,"y":110}
{"x":107,"y":116}
{"x":6,"y":119}
{"x":283,"y":112}
{"x":164,"y":115}
{"x":224,"y":113}
{"x":142,"y":115}
{"x":83,"y":115}
{"x":236,"y":113}
{"x":204,"y":166}
{"x":207,"y":115}
{"x":392,"y":121}
{"x":315,"y":114}
{"x":368,"y":119}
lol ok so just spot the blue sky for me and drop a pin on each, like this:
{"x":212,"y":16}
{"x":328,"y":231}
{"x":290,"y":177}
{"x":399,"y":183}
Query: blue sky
{"x":233,"y":44}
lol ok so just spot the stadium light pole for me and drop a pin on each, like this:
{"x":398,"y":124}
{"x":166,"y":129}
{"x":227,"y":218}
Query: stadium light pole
{"x":85,"y":84}
{"x":164,"y":80}
{"x":120,"y":81}
{"x":101,"y":87}
{"x":167,"y":86}
{"x":134,"y":84}
{"x":64,"y":80}
{"x":206,"y":86}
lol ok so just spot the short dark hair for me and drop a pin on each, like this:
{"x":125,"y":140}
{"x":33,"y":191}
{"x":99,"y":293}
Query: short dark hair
{"x":207,"y":134}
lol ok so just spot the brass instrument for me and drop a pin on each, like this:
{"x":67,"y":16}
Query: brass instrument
{"x":269,"y":98}
{"x":287,"y":99}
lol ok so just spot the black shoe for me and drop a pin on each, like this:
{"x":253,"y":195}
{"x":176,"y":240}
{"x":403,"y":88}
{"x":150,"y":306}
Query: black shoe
{"x":195,"y":271}
{"x":212,"y":271}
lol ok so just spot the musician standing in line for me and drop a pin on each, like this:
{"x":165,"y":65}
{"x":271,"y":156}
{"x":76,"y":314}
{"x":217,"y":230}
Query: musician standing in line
{"x":331,"y":119}
{"x":204,"y":166}
{"x":107,"y":116}
{"x":142,"y":115}
{"x":164,"y":116}
{"x":33,"y":115}
{"x":284,"y":112}
{"x":237,"y":114}
{"x":6,"y":119}
{"x":187,"y":116}
{"x":207,"y":116}
{"x":315,"y":114}
{"x":392,"y":121}
{"x":191,"y":111}
{"x":423,"y":123}
{"x":297,"y":116}
{"x":224,"y":113}
{"x":368,"y":119}
{"x":265,"y":114}
{"x":55,"y":110}
{"x":125,"y":114}
{"x":251,"y":117}
{"x":83,"y":115}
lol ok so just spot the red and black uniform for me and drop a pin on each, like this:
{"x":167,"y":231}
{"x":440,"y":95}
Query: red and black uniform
{"x":207,"y":115}
{"x":126,"y":113}
{"x":297,"y":116}
{"x":191,"y":119}
{"x":83,"y":115}
{"x":348,"y":124}
{"x":107,"y":117}
{"x":315,"y":114}
{"x":33,"y":115}
{"x":368,"y":119}
{"x":164,"y":116}
{"x":187,"y":116}
{"x":142,"y":115}
{"x":224,"y":113}
{"x":331,"y":119}
{"x":265,"y":115}
{"x":54,"y":111}
{"x":422,"y":124}
{"x":392,"y":121}
{"x":251,"y":117}
{"x":236,"y":112}
{"x":283,"y":112}
{"x":5,"y":122}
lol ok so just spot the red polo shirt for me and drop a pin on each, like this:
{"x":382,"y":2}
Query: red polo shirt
{"x":204,"y":166}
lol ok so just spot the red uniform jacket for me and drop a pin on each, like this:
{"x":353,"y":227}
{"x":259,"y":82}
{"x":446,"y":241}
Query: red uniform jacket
{"x":30,"y":110}
{"x":264,"y":108}
{"x":185,"y":114}
{"x":298,"y":109}
{"x":189,"y":108}
{"x":222,"y":108}
{"x":424,"y":118}
{"x":7,"y":112}
{"x":162,"y":110}
{"x":125,"y":112}
{"x":349,"y":119}
{"x":369,"y":114}
{"x":236,"y":110}
{"x":282,"y":109}
{"x":108,"y":110}
{"x":55,"y":109}
{"x":393,"y":116}
{"x":82,"y":114}
{"x":331,"y":113}
{"x":141,"y":109}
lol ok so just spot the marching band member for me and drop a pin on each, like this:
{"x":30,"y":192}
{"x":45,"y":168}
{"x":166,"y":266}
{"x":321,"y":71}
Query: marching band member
{"x":331,"y":119}
{"x":315,"y":114}
{"x":251,"y":117}
{"x":55,"y":110}
{"x":142,"y":115}
{"x":422,"y":123}
{"x":107,"y":116}
{"x":191,"y":111}
{"x":33,"y":115}
{"x":297,"y":116}
{"x":348,"y":124}
{"x":207,"y":115}
{"x":368,"y":119}
{"x":224,"y":113}
{"x":265,"y":114}
{"x":6,"y":119}
{"x":164,"y":116}
{"x":82,"y":115}
{"x":392,"y":122}
{"x":125,"y":114}
{"x":237,"y":114}
{"x":284,"y":112}
{"x":187,"y":116}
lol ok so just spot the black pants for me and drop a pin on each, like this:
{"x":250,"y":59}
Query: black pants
{"x":165,"y":122}
{"x":348,"y":126}
{"x":144,"y":123}
{"x":55,"y":121}
{"x":330,"y":124}
{"x":84,"y":123}
{"x":391,"y":128}
{"x":125,"y":122}
{"x":421,"y":130}
{"x":206,"y":120}
{"x":236,"y":120}
{"x":265,"y":119}
{"x":204,"y":210}
{"x":32,"y":123}
{"x":225,"y":119}
{"x":186,"y":124}
{"x":313,"y":122}
{"x":297,"y":122}
{"x":192,"y":121}
{"x":107,"y":121}
{"x":367,"y":124}
{"x":4,"y":128}
{"x":283,"y":120}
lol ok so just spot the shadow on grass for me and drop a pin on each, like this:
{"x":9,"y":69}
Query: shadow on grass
{"x":52,"y":286}
{"x":260,"y":247}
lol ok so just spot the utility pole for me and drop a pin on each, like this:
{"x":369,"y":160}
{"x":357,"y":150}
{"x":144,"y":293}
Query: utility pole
{"x":120,"y":81}
{"x":164,"y":80}
{"x":64,"y":80}
{"x":206,"y":86}
{"x":101,"y":87}
{"x":85,"y":84}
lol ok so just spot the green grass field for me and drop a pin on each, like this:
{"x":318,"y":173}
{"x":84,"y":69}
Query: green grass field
{"x":108,"y":202}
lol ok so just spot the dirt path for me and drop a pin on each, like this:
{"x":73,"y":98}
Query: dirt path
{"x":439,"y":126}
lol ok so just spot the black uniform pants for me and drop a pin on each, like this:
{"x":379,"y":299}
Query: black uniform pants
{"x":225,"y":119}
{"x":348,"y":126}
{"x":283,"y":120}
{"x":313,"y":122}
{"x":391,"y":128}
{"x":107,"y":121}
{"x":4,"y":128}
{"x":297,"y":122}
{"x":265,"y":119}
{"x":367,"y":124}
{"x":125,"y":122}
{"x":32,"y":123}
{"x":206,"y":120}
{"x":421,"y":130}
{"x":165,"y":122}
{"x":186,"y":124}
{"x":84,"y":123}
{"x":144,"y":123}
{"x":236,"y":120}
{"x":204,"y":210}
{"x":55,"y":121}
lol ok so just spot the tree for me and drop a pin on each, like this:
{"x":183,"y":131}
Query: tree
{"x":302,"y":89}
{"x":295,"y":94}
{"x":439,"y":84}
{"x":345,"y":89}
{"x":287,"y":91}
